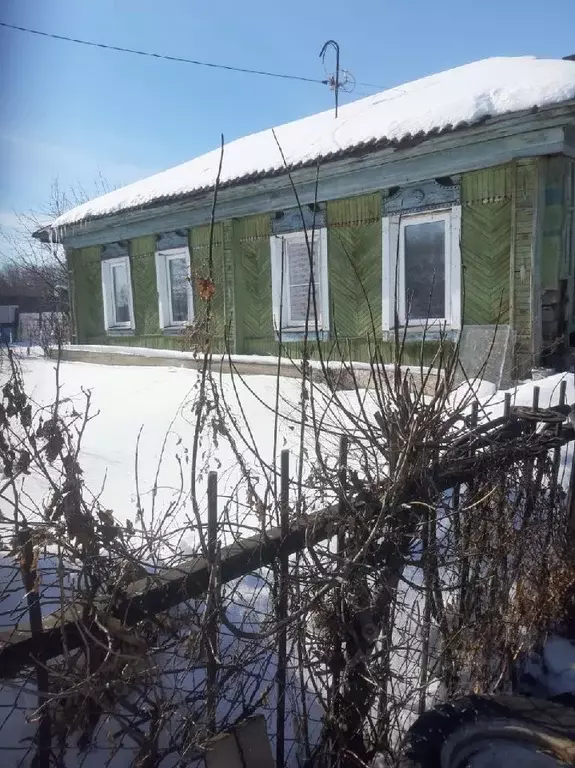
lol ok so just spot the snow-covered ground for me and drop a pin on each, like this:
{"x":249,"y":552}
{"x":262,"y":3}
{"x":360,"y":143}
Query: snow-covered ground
{"x":152,"y":409}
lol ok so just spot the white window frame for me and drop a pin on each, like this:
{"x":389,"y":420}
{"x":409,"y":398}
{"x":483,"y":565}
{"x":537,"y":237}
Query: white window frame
{"x":393,"y":253}
{"x":166,"y":314}
{"x":108,"y":265}
{"x":281,"y":309}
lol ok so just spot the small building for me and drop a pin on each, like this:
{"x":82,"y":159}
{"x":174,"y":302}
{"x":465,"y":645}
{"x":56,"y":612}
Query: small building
{"x":445,"y":203}
{"x":9,"y":319}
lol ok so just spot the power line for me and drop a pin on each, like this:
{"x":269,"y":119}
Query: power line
{"x":166,"y":57}
{"x":178,"y":59}
{"x":376,"y":87}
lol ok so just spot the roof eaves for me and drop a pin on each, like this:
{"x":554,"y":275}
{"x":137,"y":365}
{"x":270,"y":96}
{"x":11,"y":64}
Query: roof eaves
{"x":407,"y":141}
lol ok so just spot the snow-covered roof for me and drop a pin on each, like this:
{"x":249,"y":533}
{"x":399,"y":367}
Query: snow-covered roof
{"x":453,"y":99}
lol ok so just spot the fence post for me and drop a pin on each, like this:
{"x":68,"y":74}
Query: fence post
{"x":338,"y":657}
{"x":465,"y":523}
{"x":30,"y":580}
{"x":281,"y":613}
{"x":211,"y":604}
{"x":557,"y":451}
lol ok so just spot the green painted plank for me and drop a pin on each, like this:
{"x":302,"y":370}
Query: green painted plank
{"x":358,"y":350}
{"x":354,"y":266}
{"x":87,"y":293}
{"x":491,"y":185}
{"x":253,"y":282}
{"x":485,"y":258}
{"x":525,"y":180}
{"x":199,"y":258}
{"x":143,"y":268}
{"x":554,"y":217}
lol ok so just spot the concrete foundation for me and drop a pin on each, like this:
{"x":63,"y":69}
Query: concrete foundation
{"x":339,"y":377}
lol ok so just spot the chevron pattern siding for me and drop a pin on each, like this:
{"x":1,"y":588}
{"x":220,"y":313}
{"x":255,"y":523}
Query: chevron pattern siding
{"x":88,"y":307}
{"x":199,"y":259}
{"x":354,"y":264}
{"x":229,"y":286}
{"x":143,"y":268}
{"x":253,"y":281}
{"x":485,"y":254}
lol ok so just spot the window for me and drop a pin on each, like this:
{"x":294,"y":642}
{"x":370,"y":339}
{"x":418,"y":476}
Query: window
{"x":117,"y":292}
{"x":421,"y":269}
{"x":291,"y":286}
{"x":174,"y":287}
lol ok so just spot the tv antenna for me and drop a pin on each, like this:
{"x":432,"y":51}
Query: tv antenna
{"x":341,"y":80}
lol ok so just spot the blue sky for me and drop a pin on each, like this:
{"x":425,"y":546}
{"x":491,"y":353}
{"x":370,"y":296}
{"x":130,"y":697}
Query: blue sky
{"x":73,"y":112}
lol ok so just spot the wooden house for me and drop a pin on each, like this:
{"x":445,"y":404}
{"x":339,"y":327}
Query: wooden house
{"x":446,"y":203}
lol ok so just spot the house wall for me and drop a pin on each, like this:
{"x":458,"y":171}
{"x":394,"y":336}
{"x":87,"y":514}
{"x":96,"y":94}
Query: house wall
{"x":557,"y":249}
{"x":497,"y":246}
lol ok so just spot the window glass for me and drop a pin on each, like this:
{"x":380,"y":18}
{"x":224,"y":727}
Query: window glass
{"x":424,"y":264}
{"x":298,"y":279}
{"x":178,"y":287}
{"x":121,"y":293}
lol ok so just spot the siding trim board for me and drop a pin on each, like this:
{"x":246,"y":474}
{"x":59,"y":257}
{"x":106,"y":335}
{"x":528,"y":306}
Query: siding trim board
{"x":525,"y":191}
{"x":536,"y":257}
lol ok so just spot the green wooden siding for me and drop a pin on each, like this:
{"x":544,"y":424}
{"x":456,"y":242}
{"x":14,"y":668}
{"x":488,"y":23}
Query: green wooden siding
{"x":253,"y":283}
{"x":143,"y":269}
{"x":492,"y":185}
{"x":88,"y":308}
{"x":199,"y":258}
{"x":354,"y":267}
{"x":486,"y":246}
{"x":525,"y":191}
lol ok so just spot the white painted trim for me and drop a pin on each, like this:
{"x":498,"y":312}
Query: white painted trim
{"x":278,"y":307}
{"x":393,"y":273}
{"x":165,"y":313}
{"x":390,"y":246}
{"x":324,"y":278}
{"x":456,"y":295}
{"x":108,"y":297}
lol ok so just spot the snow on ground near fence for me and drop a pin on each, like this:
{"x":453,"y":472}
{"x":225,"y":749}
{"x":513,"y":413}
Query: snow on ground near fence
{"x":150,"y":411}
{"x":465,"y":94}
{"x":159,"y":398}
{"x":156,"y":404}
